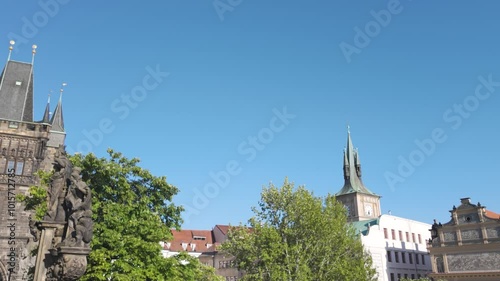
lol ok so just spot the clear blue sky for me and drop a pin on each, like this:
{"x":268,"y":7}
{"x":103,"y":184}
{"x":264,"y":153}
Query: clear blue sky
{"x":413,"y":77}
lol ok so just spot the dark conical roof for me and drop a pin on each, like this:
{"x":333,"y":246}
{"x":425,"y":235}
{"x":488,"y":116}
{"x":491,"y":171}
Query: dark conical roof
{"x":46,"y":113}
{"x":57,"y":121}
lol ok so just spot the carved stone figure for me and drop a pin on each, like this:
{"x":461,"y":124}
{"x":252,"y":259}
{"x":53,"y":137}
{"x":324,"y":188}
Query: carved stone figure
{"x":34,"y":229}
{"x":58,"y":187}
{"x":78,"y":206}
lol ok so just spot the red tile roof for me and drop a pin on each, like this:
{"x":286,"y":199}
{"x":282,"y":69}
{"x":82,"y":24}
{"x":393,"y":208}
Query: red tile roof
{"x":223,"y":228}
{"x":491,"y":215}
{"x":191,"y":241}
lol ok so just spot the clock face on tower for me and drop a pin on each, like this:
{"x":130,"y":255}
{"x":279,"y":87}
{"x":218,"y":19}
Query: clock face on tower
{"x":368,"y":209}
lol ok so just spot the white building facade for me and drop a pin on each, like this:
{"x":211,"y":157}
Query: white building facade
{"x":397,"y":246}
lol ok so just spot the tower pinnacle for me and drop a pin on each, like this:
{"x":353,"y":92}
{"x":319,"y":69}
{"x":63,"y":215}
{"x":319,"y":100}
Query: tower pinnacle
{"x":352,"y":170}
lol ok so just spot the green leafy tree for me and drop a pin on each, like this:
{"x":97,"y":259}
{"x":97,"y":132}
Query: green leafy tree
{"x":36,"y":197}
{"x":132,"y":212}
{"x":297,"y":236}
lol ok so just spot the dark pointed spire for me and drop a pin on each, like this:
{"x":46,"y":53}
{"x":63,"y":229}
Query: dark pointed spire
{"x":46,"y":114}
{"x":352,"y":170}
{"x":57,"y":121}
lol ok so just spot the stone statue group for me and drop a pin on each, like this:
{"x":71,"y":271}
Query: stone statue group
{"x":66,"y":231}
{"x":70,"y":200}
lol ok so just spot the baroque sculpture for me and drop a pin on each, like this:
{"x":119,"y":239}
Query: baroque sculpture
{"x":66,"y":230}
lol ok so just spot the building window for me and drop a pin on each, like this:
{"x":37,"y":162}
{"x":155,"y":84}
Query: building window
{"x":400,"y":235}
{"x":393,"y":232}
{"x":392,"y":277}
{"x":407,"y":237}
{"x":10,"y":166}
{"x":19,"y":168}
{"x":406,"y":275}
{"x":413,"y":237}
{"x":419,"y":239}
{"x":399,"y":276}
{"x":403,"y":257}
{"x":412,"y":276}
{"x":410,"y":257}
{"x":13,"y":125}
{"x":13,"y":166}
{"x":396,"y":256}
{"x":423,"y":259}
{"x":389,"y":256}
{"x":386,"y":235}
{"x":416,"y":259}
{"x":226,"y":264}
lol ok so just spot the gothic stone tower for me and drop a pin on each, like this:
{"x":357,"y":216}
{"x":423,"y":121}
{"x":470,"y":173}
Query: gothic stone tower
{"x":26,"y":146}
{"x":359,"y":201}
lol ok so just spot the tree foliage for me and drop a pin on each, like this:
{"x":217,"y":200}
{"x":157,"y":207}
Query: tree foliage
{"x":37,"y":196}
{"x":132,"y":212}
{"x":297,"y":236}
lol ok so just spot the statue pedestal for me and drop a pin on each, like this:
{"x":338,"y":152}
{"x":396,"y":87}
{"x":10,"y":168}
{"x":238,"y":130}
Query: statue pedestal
{"x":70,"y":265}
{"x":56,"y":261}
{"x":51,"y":232}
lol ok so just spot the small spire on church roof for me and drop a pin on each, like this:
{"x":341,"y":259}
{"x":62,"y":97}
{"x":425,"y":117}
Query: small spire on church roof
{"x":46,"y":114}
{"x":57,"y":118}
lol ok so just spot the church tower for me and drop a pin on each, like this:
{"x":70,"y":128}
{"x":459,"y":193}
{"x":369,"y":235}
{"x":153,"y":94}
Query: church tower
{"x":359,"y":201}
{"x":26,"y":146}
